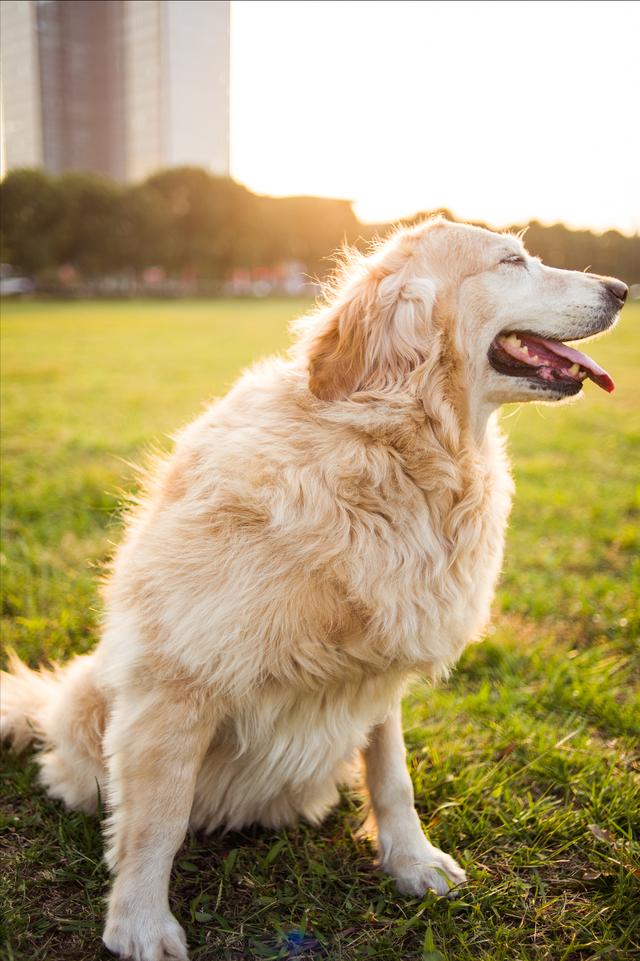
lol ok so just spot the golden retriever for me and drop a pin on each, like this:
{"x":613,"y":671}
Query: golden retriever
{"x":330,"y":528}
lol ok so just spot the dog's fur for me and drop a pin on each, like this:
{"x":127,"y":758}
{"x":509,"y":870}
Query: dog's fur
{"x":332,"y":526}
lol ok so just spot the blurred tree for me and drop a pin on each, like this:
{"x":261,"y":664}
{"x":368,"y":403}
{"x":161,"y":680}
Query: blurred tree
{"x":192,"y":223}
{"x":32,"y":207}
{"x":308,"y":229}
{"x":90,"y":229}
{"x":144,"y":228}
{"x":206,"y":217}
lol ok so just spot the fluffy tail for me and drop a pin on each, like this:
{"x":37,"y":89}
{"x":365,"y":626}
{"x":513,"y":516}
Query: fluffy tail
{"x":63,"y":710}
{"x":24,"y":696}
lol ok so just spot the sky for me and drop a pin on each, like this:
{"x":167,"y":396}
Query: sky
{"x":501,"y":111}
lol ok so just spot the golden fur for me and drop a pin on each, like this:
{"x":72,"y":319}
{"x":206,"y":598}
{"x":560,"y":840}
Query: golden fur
{"x":331,"y":527}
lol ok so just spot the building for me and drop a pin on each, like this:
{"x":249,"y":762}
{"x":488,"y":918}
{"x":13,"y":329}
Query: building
{"x":20,"y":86}
{"x":122,"y":87}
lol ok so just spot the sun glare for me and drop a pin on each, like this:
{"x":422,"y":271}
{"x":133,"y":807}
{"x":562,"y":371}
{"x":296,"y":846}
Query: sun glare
{"x":500,"y":111}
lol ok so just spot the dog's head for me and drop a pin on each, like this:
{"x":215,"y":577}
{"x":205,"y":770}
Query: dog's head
{"x":445,"y":300}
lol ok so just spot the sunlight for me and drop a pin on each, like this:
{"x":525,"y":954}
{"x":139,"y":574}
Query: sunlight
{"x":501,"y":112}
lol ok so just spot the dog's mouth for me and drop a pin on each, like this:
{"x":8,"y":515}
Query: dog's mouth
{"x":546,"y":362}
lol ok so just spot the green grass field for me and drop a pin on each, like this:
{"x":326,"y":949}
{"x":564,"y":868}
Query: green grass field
{"x":525,"y":764}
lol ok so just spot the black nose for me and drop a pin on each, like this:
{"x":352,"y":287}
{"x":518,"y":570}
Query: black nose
{"x":617,"y":288}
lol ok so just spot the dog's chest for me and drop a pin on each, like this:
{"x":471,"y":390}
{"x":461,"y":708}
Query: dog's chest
{"x":427,"y":578}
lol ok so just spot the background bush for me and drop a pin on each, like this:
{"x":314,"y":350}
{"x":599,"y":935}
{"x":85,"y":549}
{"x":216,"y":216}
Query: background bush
{"x":191,"y":223}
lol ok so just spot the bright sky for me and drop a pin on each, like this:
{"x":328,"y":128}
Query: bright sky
{"x":501,"y":111}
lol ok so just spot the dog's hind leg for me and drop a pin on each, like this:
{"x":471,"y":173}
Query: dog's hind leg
{"x":405,"y":853}
{"x":156,"y":740}
{"x":63,"y":710}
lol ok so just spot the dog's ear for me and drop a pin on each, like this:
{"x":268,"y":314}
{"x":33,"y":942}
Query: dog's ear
{"x":373,"y":336}
{"x":337,"y":353}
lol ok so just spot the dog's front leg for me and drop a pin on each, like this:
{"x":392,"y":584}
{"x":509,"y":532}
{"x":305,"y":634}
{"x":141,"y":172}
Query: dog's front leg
{"x":155,"y":743}
{"x":404,"y":850}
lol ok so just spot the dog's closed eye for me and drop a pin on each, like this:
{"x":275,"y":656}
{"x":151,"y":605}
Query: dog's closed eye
{"x":514,"y":259}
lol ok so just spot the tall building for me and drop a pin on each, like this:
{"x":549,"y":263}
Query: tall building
{"x":20,"y":86}
{"x":81,"y":85}
{"x":122,"y":87}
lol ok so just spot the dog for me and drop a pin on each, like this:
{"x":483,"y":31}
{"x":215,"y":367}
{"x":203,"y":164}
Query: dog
{"x":331,"y":528}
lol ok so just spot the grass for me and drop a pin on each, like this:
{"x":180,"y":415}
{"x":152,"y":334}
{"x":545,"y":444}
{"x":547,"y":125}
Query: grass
{"x":525,"y":764}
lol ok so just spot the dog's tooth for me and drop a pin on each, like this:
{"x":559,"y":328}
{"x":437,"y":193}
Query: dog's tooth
{"x":512,"y":339}
{"x":534,"y":357}
{"x":525,"y":349}
{"x":574,"y":369}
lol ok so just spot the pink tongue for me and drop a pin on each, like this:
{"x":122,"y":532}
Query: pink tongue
{"x":596,"y":373}
{"x":548,"y":350}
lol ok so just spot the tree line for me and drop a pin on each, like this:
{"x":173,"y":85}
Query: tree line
{"x":189,"y":222}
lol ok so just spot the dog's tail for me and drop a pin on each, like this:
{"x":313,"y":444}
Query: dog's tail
{"x":24,"y":697}
{"x":63,"y":710}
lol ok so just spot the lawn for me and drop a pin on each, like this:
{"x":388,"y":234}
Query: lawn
{"x":526,"y":764}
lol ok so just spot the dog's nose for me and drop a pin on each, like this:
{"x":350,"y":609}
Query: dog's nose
{"x":617,"y":288}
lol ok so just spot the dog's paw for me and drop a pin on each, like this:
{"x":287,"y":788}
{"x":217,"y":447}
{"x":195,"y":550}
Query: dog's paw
{"x":139,"y":936}
{"x":416,"y":873}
